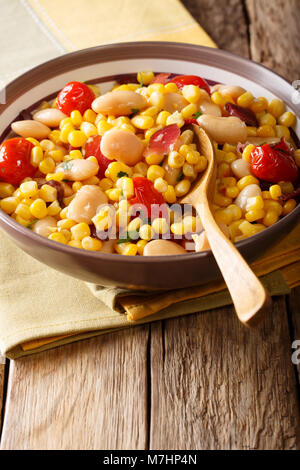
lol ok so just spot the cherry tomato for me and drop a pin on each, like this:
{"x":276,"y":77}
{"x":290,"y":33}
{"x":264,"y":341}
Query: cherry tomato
{"x":274,"y":164}
{"x":182,"y":80}
{"x":92,"y":149}
{"x":146,"y":195}
{"x":75,"y":95}
{"x":163,"y":140}
{"x":161,"y":78}
{"x":15,"y":160}
{"x":191,"y":121}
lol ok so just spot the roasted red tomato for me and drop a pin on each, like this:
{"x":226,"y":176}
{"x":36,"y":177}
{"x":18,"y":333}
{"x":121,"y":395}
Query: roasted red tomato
{"x":15,"y":160}
{"x":163,"y":140}
{"x":75,"y":95}
{"x":92,"y":149}
{"x":161,"y":78}
{"x":182,"y":80}
{"x":146,"y":195}
{"x":274,"y":163}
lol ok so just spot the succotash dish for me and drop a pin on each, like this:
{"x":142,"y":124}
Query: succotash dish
{"x":106,"y":172}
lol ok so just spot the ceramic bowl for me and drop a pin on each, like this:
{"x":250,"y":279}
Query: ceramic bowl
{"x":104,"y":65}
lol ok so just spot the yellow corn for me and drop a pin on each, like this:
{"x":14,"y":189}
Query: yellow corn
{"x":187,"y":137}
{"x":103,"y":126}
{"x":39,"y":209}
{"x":33,"y":141}
{"x":47,"y":145}
{"x":245,"y":100}
{"x":90,"y":116}
{"x":65,"y":131}
{"x":223,"y":170}
{"x":114,"y":194}
{"x":88,"y":129}
{"x":176,"y":118}
{"x":276,"y":108}
{"x":297,"y":157}
{"x":171,"y":88}
{"x":81,"y":230}
{"x":114,"y":169}
{"x":222,"y":201}
{"x":54,"y":208}
{"x":142,"y":168}
{"x":29,"y":189}
{"x":77,"y":138}
{"x":191,"y":93}
{"x":154,"y":172}
{"x":47,"y":165}
{"x":48,"y":193}
{"x":9,"y":204}
{"x":182,"y":188}
{"x":127,"y":249}
{"x":103,"y":220}
{"x":275,"y":192}
{"x":254,"y":203}
{"x":149,"y":132}
{"x":141,"y":246}
{"x":162,"y":118}
{"x":259,"y":105}
{"x":145,"y":77}
{"x":56,"y":155}
{"x":75,"y":243}
{"x":23,"y":211}
{"x":65,"y":224}
{"x":287,"y":119}
{"x":246,"y":181}
{"x":160,"y":185}
{"x":266,"y":131}
{"x":92,"y":244}
{"x":232,"y":192}
{"x":59,"y":176}
{"x":146,"y":232}
{"x":36,"y":156}
{"x":192,"y":157}
{"x":142,"y":122}
{"x":106,"y":183}
{"x":247,"y":152}
{"x":156,"y":87}
{"x":189,"y":171}
{"x":170,"y":195}
{"x":76,"y":118}
{"x":125,"y":184}
{"x":254,"y":215}
{"x":160,"y":225}
{"x":152,"y":111}
{"x":157,"y":99}
{"x":267,"y":120}
{"x":189,"y":110}
{"x":54,"y":136}
{"x":95,"y":89}
{"x":273,"y":206}
{"x":289,"y":206}
{"x":175,"y":159}
{"x":252,"y":131}
{"x":201,"y":165}
{"x":270,"y":218}
{"x":58,"y":237}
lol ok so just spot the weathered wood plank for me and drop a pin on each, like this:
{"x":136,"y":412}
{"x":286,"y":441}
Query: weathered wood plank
{"x":87,"y":395}
{"x":217,"y":385}
{"x":275,"y":35}
{"x":225,"y":22}
{"x":294,"y":306}
{"x":2,"y":378}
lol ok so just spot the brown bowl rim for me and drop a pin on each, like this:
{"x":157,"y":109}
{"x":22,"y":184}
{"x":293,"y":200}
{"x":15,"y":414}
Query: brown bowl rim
{"x":123,"y":51}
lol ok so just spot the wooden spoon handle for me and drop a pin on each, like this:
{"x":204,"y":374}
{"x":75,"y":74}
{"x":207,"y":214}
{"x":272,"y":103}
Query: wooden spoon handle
{"x":249,"y":296}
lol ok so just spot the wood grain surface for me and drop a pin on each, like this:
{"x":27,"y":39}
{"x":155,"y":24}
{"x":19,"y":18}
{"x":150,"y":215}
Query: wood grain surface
{"x":197,"y":382}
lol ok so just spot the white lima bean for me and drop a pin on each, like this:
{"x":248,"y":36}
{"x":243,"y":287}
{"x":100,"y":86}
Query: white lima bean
{"x":51,"y":117}
{"x":174,"y":102}
{"x":45,"y":226}
{"x":207,"y":107}
{"x":234,"y":91}
{"x":79,"y":169}
{"x":119,"y":103}
{"x":241,"y":168}
{"x":85,"y":204}
{"x":224,"y":129}
{"x":163,"y":248}
{"x":252,"y":190}
{"x":123,"y":146}
{"x":108,"y":246}
{"x":31,"y":128}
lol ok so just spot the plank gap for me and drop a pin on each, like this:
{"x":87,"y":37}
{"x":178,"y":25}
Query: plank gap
{"x":3,"y":391}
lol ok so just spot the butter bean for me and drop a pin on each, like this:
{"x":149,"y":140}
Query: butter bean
{"x":85,"y":204}
{"x":207,"y":107}
{"x":163,"y":248}
{"x":229,"y":90}
{"x":224,"y":129}
{"x":44,"y":226}
{"x":51,"y":117}
{"x":240,"y":168}
{"x":252,"y":190}
{"x":78,"y":170}
{"x":30,"y":128}
{"x":119,"y":103}
{"x":174,"y":102}
{"x":123,"y":146}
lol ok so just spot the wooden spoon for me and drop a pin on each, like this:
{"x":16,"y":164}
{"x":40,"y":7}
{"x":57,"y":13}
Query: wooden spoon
{"x":248,"y":294}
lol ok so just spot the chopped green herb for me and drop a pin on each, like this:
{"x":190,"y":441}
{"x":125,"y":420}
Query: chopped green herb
{"x":128,"y":237}
{"x":122,"y":173}
{"x":134,"y":110}
{"x":262,"y":144}
{"x":67,"y":165}
{"x":141,"y":82}
{"x":197,"y":114}
{"x":31,"y":223}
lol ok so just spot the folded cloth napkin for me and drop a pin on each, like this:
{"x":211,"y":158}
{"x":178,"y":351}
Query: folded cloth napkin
{"x":41,"y":308}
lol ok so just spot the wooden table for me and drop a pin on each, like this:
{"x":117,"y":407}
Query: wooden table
{"x":198,"y":382}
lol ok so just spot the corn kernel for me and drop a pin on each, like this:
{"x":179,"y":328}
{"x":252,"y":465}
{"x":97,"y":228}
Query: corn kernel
{"x":282,"y":131}
{"x":252,"y":131}
{"x":171,"y":88}
{"x":142,"y":122}
{"x":276,"y":108}
{"x":287,"y":119}
{"x":56,"y":155}
{"x":47,"y":165}
{"x":113,"y":170}
{"x":176,"y":160}
{"x":259,"y":105}
{"x":275,"y":192}
{"x":297,"y":157}
{"x":176,"y":118}
{"x":23,"y":211}
{"x":266,"y":131}
{"x":157,"y":99}
{"x":77,"y":138}
{"x":81,"y":230}
{"x":160,"y":226}
{"x":247,"y":152}
{"x":254,"y":215}
{"x":21,"y":220}
{"x":6,"y":190}
{"x":103,"y":126}
{"x":54,"y":208}
{"x":103,"y":220}
{"x":154,"y":172}
{"x":254,"y":203}
{"x":191,"y":93}
{"x":64,"y":224}
{"x":54,"y":136}
{"x":160,"y":185}
{"x":187,"y":137}
{"x":289,"y":206}
{"x":202,"y":164}
{"x":156,"y":87}
{"x":145,"y":78}
{"x":189,"y":110}
{"x":246,"y":181}
{"x":92,"y":244}
{"x":270,"y":218}
{"x":9,"y":204}
{"x":58,"y":237}
{"x":141,"y":246}
{"x":75,"y":243}
{"x":65,"y":131}
{"x":224,"y":216}
{"x":59,"y":176}
{"x":182,"y":188}
{"x":245,"y":100}
{"x":247,"y":228}
{"x":76,"y":118}
{"x":36,"y":156}
{"x":192,"y":157}
{"x":48,"y":193}
{"x":127,"y":249}
{"x":189,"y":171}
{"x":224,"y":169}
{"x":95,"y":89}
{"x":222,"y":201}
{"x":152,"y":111}
{"x":267,"y":120}
{"x":170,"y":195}
{"x":218,"y":99}
{"x":273,"y":206}
{"x":286,"y":187}
{"x":236,"y":212}
{"x":88,"y":129}
{"x":90,"y":116}
{"x":146,"y":232}
{"x":114,"y":194}
{"x":125,"y":184}
{"x":232,"y":192}
{"x":39,"y":209}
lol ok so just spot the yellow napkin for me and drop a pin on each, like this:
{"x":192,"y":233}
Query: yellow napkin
{"x":41,"y":308}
